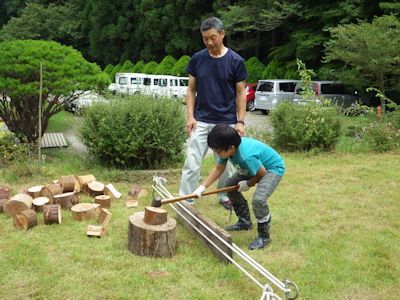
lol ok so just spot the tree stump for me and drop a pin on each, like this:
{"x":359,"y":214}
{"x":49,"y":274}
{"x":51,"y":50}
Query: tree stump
{"x":17,"y":204}
{"x":51,"y":190}
{"x":103,"y":200}
{"x":34,"y":191}
{"x":155,"y":215}
{"x":39,"y":202}
{"x":66,"y":200}
{"x":25,"y":219}
{"x":95,"y":188}
{"x":52,"y":214}
{"x":111,"y":191}
{"x":151,"y":240}
{"x":83,"y":211}
{"x":67,"y":183}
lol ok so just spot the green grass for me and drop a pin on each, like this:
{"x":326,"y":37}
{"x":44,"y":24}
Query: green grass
{"x":62,"y":122}
{"x":335,"y":232}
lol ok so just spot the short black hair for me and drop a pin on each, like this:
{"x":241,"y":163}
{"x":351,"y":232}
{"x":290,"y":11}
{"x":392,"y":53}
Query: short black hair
{"x":222,"y":136}
{"x":210,"y":23}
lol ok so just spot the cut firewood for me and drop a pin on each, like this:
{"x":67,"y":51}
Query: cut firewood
{"x":67,"y":183}
{"x":83,"y":211}
{"x":5,"y":192}
{"x":51,"y":190}
{"x":138,"y":192}
{"x":103,"y":220}
{"x":103,"y":200}
{"x":52,"y":214}
{"x":132,"y":203}
{"x":17,"y":204}
{"x":25,"y":219}
{"x":77,"y":186}
{"x":66,"y":200}
{"x":84,"y":180}
{"x":2,"y":203}
{"x":39,"y":202}
{"x":104,"y":217}
{"x":34,"y":191}
{"x":95,"y":231}
{"x":155,"y":215}
{"x":111,"y":191}
{"x":95,"y":188}
{"x":151,"y":240}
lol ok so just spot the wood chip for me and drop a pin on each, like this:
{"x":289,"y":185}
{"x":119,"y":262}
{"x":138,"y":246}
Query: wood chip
{"x":132,"y":203}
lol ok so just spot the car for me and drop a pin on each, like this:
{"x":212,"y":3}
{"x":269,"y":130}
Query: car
{"x":271,"y":92}
{"x":335,"y":91}
{"x":250,"y":95}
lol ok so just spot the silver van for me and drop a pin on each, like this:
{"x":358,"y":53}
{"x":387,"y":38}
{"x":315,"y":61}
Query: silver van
{"x":332,"y":90}
{"x":271,"y":92}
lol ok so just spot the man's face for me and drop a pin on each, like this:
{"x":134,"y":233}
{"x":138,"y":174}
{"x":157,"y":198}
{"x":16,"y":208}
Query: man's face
{"x":213,"y":39}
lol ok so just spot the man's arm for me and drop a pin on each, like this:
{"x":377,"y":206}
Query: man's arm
{"x":190,"y":102}
{"x":240,"y":106}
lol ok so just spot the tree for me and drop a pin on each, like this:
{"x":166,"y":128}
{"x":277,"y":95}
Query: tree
{"x":138,"y":67}
{"x":179,"y":69}
{"x":65,"y":74}
{"x":166,"y":65}
{"x":370,"y":51}
{"x":150,"y":67}
{"x":126,"y":67}
{"x":254,"y":69}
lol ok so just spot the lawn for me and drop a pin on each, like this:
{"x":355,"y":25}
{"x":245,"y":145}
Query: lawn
{"x":335,"y":232}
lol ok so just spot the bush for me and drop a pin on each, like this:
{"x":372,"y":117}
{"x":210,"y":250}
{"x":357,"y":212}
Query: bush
{"x":138,"y":132}
{"x":138,"y":67}
{"x":165,"y":66}
{"x":305,"y":127}
{"x":10,"y":150}
{"x":255,"y":69}
{"x":179,"y":69}
{"x":150,"y":68}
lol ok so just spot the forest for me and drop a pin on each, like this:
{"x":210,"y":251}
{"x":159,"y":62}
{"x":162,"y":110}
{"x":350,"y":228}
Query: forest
{"x":274,"y":33}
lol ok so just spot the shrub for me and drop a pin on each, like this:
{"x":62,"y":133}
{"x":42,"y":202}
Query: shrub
{"x":305,"y":127}
{"x":179,"y":69}
{"x":138,"y":67}
{"x":150,"y":68}
{"x":255,"y":69}
{"x":166,"y":65}
{"x":127,"y":67}
{"x":10,"y":150}
{"x":138,"y":132}
{"x":273,"y":70}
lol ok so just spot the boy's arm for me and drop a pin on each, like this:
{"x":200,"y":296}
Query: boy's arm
{"x":214,"y":174}
{"x":254,"y":180}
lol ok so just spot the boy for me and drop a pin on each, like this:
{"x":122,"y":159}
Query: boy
{"x":256,"y":163}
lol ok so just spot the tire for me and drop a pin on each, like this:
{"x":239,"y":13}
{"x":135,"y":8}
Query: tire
{"x":250,"y":105}
{"x":265,"y":112}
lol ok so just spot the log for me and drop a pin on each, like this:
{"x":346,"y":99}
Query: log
{"x":67,"y":183}
{"x":17,"y":204}
{"x":39,"y":202}
{"x":66,"y":200}
{"x":155,"y":215}
{"x":5,"y":192}
{"x":2,"y":203}
{"x":25,"y":219}
{"x":95,"y":231}
{"x":132,"y":203}
{"x":104,"y":217}
{"x":77,"y":187}
{"x":151,"y":240}
{"x":84,"y":180}
{"x":188,"y":215}
{"x":83,"y":211}
{"x":51,"y":190}
{"x":138,"y":192}
{"x":111,"y":191}
{"x":34,"y":191}
{"x":103,"y":200}
{"x":52,"y":214}
{"x":95,"y":188}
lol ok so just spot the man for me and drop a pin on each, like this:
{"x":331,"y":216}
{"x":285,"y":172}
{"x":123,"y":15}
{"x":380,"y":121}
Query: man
{"x":216,"y":94}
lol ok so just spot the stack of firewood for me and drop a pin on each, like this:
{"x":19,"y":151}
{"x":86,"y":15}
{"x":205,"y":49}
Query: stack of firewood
{"x":52,"y":198}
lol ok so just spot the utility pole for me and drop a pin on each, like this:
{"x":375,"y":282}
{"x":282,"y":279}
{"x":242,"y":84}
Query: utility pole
{"x":40,"y":112}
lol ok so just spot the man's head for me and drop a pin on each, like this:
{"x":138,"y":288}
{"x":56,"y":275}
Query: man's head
{"x":212,"y":32}
{"x":224,"y":140}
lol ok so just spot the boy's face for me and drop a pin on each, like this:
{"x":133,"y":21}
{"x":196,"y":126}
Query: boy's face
{"x":225,"y":154}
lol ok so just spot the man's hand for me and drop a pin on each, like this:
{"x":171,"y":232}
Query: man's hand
{"x":190,"y":124}
{"x":243,"y":186}
{"x":239,"y":127}
{"x":199,"y":191}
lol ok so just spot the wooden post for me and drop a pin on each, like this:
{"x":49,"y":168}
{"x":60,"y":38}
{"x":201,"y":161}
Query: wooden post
{"x":83,"y":211}
{"x":67,"y":183}
{"x":52,"y":214}
{"x":40,"y":113}
{"x":17,"y":204}
{"x":51,"y":190}
{"x":95,"y":188}
{"x":155,"y":215}
{"x":103,"y":200}
{"x":25,"y":219}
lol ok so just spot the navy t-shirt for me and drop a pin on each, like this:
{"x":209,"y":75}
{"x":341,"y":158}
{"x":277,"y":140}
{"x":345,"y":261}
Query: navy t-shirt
{"x":216,"y":80}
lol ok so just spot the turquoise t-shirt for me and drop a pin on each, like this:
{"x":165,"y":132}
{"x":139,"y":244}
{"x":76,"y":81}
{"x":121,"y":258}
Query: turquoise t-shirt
{"x":253,"y":154}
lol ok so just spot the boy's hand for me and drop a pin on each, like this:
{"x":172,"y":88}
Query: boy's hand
{"x":243,"y":186}
{"x":199,"y":191}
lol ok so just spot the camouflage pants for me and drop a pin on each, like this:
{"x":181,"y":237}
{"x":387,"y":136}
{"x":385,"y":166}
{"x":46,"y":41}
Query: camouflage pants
{"x":264,"y":188}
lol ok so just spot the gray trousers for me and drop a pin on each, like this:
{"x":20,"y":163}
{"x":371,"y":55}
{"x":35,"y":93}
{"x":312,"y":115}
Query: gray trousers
{"x":264,"y":188}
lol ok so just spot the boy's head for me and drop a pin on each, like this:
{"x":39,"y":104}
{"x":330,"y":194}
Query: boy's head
{"x":223,"y":137}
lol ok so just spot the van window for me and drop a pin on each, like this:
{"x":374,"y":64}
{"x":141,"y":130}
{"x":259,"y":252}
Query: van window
{"x":287,"y":86}
{"x":135,"y":80}
{"x":183,"y":82}
{"x":333,"y":88}
{"x":123,"y":80}
{"x":147,"y":81}
{"x":173,"y":82}
{"x":266,"y":87}
{"x":162,"y":82}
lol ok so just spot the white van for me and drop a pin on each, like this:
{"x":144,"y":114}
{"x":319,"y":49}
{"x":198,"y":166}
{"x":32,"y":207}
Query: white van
{"x":271,"y":92}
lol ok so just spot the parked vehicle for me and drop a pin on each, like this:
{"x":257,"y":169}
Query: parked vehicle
{"x":332,"y":90}
{"x":250,"y":96}
{"x":85,"y":98}
{"x":271,"y":92}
